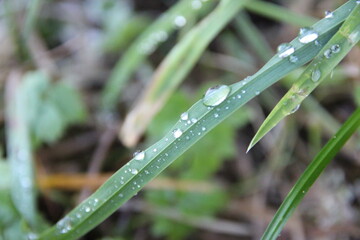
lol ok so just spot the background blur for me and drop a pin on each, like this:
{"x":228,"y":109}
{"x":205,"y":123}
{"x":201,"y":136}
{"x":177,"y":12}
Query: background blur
{"x":56,"y":58}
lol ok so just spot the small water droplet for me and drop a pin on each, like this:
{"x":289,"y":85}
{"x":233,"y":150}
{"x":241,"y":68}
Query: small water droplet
{"x":257,"y":93}
{"x":134,"y":171}
{"x":121,"y":195}
{"x":285,"y":49}
{"x":196,"y":4}
{"x":243,"y":91}
{"x":87,"y":209}
{"x":295,"y":108}
{"x":203,"y":128}
{"x":139,"y":155}
{"x":177,"y":133}
{"x":180,"y":21}
{"x":184,"y":116}
{"x":155,"y":150}
{"x":216,"y":95}
{"x":293,"y":59}
{"x":307,"y":35}
{"x":329,"y":14}
{"x":193,"y":120}
{"x":238,"y":96}
{"x":328,"y":53}
{"x":216,"y":115}
{"x":315,"y":75}
{"x":335,"y":48}
{"x":317,"y":43}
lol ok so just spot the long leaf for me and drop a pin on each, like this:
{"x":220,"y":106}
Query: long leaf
{"x":145,"y":166}
{"x":174,"y":69}
{"x":322,"y":65}
{"x":310,"y":175}
{"x":144,"y":45}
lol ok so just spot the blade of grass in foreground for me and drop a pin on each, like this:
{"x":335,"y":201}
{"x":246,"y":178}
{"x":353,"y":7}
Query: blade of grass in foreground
{"x":310,"y":175}
{"x":174,"y":68}
{"x":198,"y":120}
{"x":322,"y":65}
{"x":19,"y":151}
{"x":145,"y":44}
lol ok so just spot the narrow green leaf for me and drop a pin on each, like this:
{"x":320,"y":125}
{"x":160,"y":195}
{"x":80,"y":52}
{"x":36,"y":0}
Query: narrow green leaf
{"x":144,"y":45}
{"x":19,"y":152}
{"x":322,"y":65}
{"x":147,"y":164}
{"x":310,"y":175}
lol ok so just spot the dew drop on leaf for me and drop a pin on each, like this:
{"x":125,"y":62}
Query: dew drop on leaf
{"x":139,"y":155}
{"x":307,"y":35}
{"x":315,"y":75}
{"x":285,"y":49}
{"x":196,"y":4}
{"x":177,"y":133}
{"x":184,"y":116}
{"x":134,"y":171}
{"x":180,"y":21}
{"x":293,"y":59}
{"x":295,"y":108}
{"x":328,"y":53}
{"x":335,"y":48}
{"x":329,"y":14}
{"x":216,"y":95}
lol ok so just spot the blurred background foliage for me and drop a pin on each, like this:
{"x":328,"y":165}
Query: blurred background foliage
{"x":56,"y":59}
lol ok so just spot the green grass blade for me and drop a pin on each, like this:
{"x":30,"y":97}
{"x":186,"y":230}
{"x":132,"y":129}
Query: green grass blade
{"x":253,"y":37}
{"x":31,"y":15}
{"x":310,"y":175}
{"x":128,"y":180}
{"x":278,"y":13}
{"x":322,"y":65}
{"x":144,"y":45}
{"x":19,"y":151}
{"x":174,"y":69}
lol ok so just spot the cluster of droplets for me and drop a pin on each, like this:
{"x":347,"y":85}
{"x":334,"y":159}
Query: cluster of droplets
{"x":149,"y":45}
{"x":330,"y":51}
{"x":306,"y":35}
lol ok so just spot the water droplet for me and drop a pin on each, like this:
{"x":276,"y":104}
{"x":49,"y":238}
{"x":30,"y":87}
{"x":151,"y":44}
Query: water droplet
{"x":335,"y":48}
{"x":328,"y":53}
{"x":121,"y":195}
{"x":184,"y":116}
{"x":315,"y":75}
{"x":357,"y":1}
{"x":216,"y":95}
{"x":285,"y":49}
{"x":216,"y":115}
{"x":295,"y":108}
{"x":134,"y":171}
{"x":180,"y":21}
{"x":87,"y":209}
{"x":317,"y":43}
{"x":238,"y":96}
{"x":293,"y":59}
{"x":32,"y":236}
{"x":196,"y":4}
{"x":307,"y":35}
{"x":203,"y":128}
{"x":155,"y":150}
{"x":139,"y":155}
{"x":243,"y":91}
{"x":257,"y":93}
{"x":177,"y":133}
{"x":329,"y":14}
{"x":193,"y":120}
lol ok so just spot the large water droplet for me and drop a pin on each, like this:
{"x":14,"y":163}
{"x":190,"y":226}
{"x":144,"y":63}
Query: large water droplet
{"x":216,"y":95}
{"x":139,"y":155}
{"x":285,"y":49}
{"x":329,"y":14}
{"x":180,"y":21}
{"x":315,"y":75}
{"x":177,"y":133}
{"x":335,"y":48}
{"x":184,"y":116}
{"x":307,"y":35}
